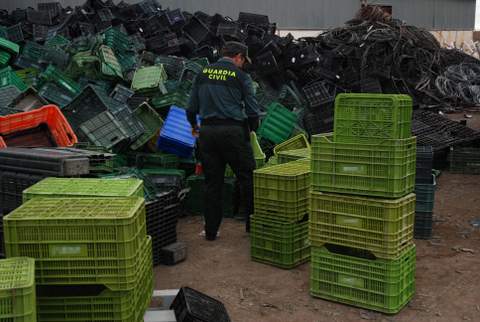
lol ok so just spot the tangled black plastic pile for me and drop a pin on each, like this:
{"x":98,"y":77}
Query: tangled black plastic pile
{"x":371,"y":53}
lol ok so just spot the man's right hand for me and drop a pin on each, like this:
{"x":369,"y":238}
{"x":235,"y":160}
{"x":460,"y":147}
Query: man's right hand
{"x":195,"y":131}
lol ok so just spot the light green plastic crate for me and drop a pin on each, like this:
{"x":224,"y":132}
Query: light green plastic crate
{"x":84,"y":187}
{"x":79,"y":241}
{"x":283,"y":182}
{"x":378,"y":170}
{"x":17,"y":290}
{"x":299,"y":141}
{"x":279,"y":210}
{"x":110,"y":65}
{"x":147,"y":78}
{"x":293,"y":155}
{"x":340,"y":274}
{"x":382,"y":226}
{"x":106,"y":306}
{"x":372,"y":118}
{"x":284,"y":245}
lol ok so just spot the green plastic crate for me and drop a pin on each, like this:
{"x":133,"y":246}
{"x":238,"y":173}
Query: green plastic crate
{"x":156,"y":160}
{"x":339,"y":274}
{"x":110,"y":65}
{"x":106,"y":306}
{"x":281,"y":211}
{"x":284,"y":245}
{"x":283,"y":182}
{"x":54,"y":75}
{"x":372,"y":118}
{"x":148,"y":78}
{"x":293,"y":155}
{"x":163,"y":103}
{"x":17,"y":290}
{"x":8,"y":77}
{"x":79,"y":241}
{"x":117,"y":40}
{"x":28,"y":75}
{"x":299,"y":141}
{"x":381,"y":226}
{"x":378,"y":170}
{"x":151,"y":121}
{"x":278,"y":124}
{"x":84,"y":187}
{"x":4,"y":58}
{"x":425,"y":196}
{"x":57,"y":41}
{"x":8,"y":46}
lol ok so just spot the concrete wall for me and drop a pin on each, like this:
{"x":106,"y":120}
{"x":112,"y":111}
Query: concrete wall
{"x":318,"y":14}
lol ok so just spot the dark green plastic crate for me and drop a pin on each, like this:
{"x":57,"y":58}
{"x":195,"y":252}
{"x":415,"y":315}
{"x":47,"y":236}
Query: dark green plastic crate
{"x":151,"y":121}
{"x":381,"y":226}
{"x":117,"y":306}
{"x":79,"y":241}
{"x":17,"y":290}
{"x":339,"y":274}
{"x":372,"y":118}
{"x":464,"y":160}
{"x":8,"y":77}
{"x":379,"y":170}
{"x":278,"y":125}
{"x":284,"y":245}
{"x":195,"y":199}
{"x":425,"y":196}
{"x":156,"y":160}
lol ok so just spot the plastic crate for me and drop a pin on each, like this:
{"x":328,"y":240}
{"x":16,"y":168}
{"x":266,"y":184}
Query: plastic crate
{"x":424,"y":164}
{"x":284,"y":245}
{"x":8,"y":77}
{"x":128,"y":120}
{"x":40,"y":17}
{"x":54,"y":75}
{"x":344,"y":275}
{"x":381,"y":226}
{"x":8,"y":94}
{"x":372,"y":118}
{"x":4,"y":58}
{"x":121,"y":93}
{"x":148,"y":78}
{"x":425,"y":195}
{"x":196,"y":30}
{"x":84,"y":187}
{"x":28,"y":101}
{"x":104,"y":130}
{"x":386,"y":170}
{"x":15,"y":33}
{"x":253,"y":19}
{"x":293,"y":155}
{"x":80,"y":303}
{"x":79,"y":241}
{"x":152,"y":123}
{"x":8,"y":46}
{"x":28,"y":75}
{"x":297,"y":142}
{"x":176,"y":134}
{"x":319,"y":121}
{"x":283,"y":182}
{"x":41,"y":162}
{"x":278,"y":124}
{"x":232,"y":31}
{"x":13,"y":128}
{"x":318,"y":93}
{"x":464,"y":160}
{"x":281,"y":211}
{"x":109,"y":63}
{"x":191,"y":305}
{"x":17,"y":295}
{"x":423,"y":225}
{"x":156,"y":160}
{"x":55,"y":94}
{"x":11,"y":187}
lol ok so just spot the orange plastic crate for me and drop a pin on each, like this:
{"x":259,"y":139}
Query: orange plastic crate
{"x":46,"y":126}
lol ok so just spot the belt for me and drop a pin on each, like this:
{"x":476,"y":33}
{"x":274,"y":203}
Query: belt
{"x":220,"y":122}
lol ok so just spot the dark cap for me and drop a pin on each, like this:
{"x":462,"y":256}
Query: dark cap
{"x":232,"y":48}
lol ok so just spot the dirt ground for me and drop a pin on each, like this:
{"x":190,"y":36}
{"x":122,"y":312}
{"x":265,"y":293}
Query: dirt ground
{"x":447,"y":275}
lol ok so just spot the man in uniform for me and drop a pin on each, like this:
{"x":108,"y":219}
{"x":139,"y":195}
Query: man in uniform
{"x":223,"y":96}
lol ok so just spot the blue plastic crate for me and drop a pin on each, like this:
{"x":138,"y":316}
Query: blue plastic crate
{"x":176,"y":135}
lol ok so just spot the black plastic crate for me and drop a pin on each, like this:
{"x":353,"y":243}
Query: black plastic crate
{"x":192,"y":306}
{"x":161,"y":219}
{"x":253,"y":19}
{"x":121,"y":93}
{"x":423,"y":225}
{"x":318,"y":93}
{"x":424,"y":164}
{"x":165,"y":44}
{"x":370,"y":85}
{"x":232,"y":31}
{"x":12,"y":185}
{"x":196,"y":30}
{"x":172,"y":254}
{"x":56,"y":56}
{"x":464,"y":160}
{"x":40,"y":17}
{"x":266,"y":64}
{"x":8,"y":94}
{"x":40,"y":33}
{"x":175,"y":17}
{"x":45,"y":163}
{"x":104,"y":130}
{"x":319,"y":122}
{"x":55,"y":8}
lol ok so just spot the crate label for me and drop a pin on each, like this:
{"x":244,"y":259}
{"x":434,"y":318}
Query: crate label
{"x":353,"y":169}
{"x":349,"y":221}
{"x":351,"y":281}
{"x":68,"y":250}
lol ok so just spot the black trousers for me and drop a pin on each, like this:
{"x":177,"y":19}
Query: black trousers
{"x":221,"y":145}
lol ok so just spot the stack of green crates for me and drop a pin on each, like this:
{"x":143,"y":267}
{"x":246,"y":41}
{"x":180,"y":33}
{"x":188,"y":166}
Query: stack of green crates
{"x":93,"y":256}
{"x":362,"y":208}
{"x":279,"y":225}
{"x":17,"y":290}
